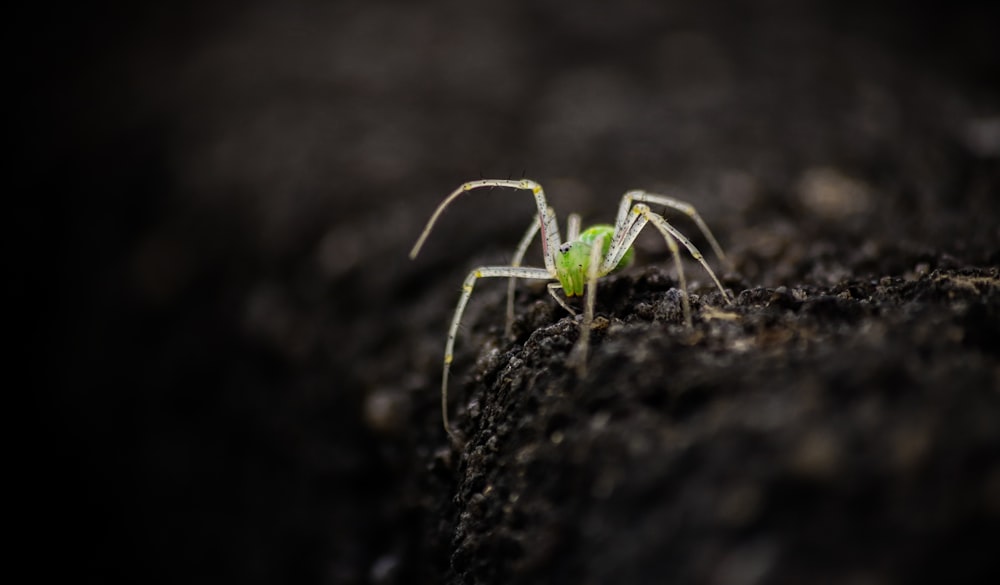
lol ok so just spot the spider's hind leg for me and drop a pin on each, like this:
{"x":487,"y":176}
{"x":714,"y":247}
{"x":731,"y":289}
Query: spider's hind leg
{"x":681,"y":280}
{"x":467,"y":287}
{"x":668,"y":230}
{"x":681,"y":206}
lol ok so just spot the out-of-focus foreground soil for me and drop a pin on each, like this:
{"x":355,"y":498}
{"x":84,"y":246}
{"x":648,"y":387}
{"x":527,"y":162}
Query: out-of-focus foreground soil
{"x":240,"y":367}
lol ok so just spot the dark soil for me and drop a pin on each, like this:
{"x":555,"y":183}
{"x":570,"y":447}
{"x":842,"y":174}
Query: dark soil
{"x":239,"y":367}
{"x":815,"y":434}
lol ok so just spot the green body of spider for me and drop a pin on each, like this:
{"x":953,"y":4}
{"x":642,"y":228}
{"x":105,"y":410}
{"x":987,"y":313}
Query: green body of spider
{"x":573,"y":260}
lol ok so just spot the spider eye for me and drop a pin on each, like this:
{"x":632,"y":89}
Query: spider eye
{"x":564,"y":248}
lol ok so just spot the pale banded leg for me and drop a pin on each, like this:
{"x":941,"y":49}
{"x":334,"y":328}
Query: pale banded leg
{"x":573,"y":227}
{"x":553,"y":287}
{"x":572,"y":234}
{"x":639,"y":215}
{"x":515,"y":261}
{"x":681,"y":280}
{"x":665,"y":227}
{"x":467,"y":286}
{"x":578,"y":357}
{"x":547,"y":217}
{"x":627,"y":228}
{"x":682,"y":206}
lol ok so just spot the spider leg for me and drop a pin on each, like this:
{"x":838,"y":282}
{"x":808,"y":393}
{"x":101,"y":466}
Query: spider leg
{"x":553,"y":286}
{"x":628,"y":228}
{"x":467,"y":286}
{"x":681,"y":280}
{"x":546,"y":216}
{"x":665,"y":227}
{"x":682,"y":206}
{"x":573,"y":227}
{"x":578,"y":356}
{"x":637,"y":219}
{"x":515,"y":261}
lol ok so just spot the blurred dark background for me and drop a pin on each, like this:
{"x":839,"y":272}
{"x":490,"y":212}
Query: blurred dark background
{"x":218,"y":199}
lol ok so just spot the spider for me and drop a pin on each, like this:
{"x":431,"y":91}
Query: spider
{"x":574,"y":265}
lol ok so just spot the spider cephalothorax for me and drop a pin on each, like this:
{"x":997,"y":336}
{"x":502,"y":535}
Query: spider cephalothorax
{"x":574,"y":257}
{"x":575,"y":265}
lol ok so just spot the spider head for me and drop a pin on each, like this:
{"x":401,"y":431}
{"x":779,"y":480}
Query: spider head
{"x":572,"y":260}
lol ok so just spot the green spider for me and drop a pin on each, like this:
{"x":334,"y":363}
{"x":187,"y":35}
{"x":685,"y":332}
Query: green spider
{"x":576,"y":264}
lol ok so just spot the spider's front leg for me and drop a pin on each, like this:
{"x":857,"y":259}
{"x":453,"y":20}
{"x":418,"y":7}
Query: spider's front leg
{"x":572,"y":234}
{"x":546,"y":216}
{"x":467,"y":287}
{"x":546,"y":220}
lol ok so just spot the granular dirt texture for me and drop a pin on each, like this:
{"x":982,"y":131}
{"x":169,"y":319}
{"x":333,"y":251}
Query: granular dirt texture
{"x":814,"y":434}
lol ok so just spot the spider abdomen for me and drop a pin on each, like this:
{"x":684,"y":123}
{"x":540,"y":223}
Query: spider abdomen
{"x":608,"y":231}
